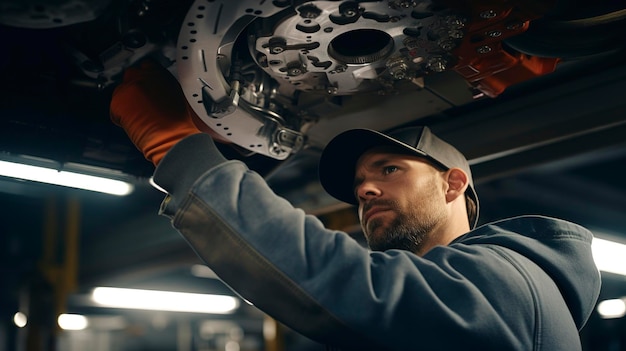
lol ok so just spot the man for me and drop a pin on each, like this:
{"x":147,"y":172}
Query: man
{"x":430,"y":283}
{"x":379,"y":175}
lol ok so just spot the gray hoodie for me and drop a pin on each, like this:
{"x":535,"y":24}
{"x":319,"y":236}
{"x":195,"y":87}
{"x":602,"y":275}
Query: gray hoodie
{"x":526,"y":283}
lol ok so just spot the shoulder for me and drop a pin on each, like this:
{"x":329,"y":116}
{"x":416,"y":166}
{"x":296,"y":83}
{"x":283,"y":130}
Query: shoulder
{"x":536,"y":227}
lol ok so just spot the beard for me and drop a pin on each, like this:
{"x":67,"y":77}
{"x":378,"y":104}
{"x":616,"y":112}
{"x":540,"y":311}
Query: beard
{"x":409,"y":228}
{"x":397,"y":235}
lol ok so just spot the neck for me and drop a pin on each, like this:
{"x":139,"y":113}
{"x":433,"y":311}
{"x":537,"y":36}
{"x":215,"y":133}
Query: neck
{"x":443,"y":235}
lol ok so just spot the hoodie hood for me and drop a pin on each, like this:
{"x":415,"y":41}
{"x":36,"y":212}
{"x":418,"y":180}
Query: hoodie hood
{"x":562,"y":249}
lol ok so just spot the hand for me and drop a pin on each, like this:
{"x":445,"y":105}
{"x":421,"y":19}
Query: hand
{"x":150,"y":106}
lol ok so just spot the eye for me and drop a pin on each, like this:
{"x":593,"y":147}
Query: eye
{"x":389,"y":169}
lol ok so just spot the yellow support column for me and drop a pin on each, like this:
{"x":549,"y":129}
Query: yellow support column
{"x":72,"y":239}
{"x":59,"y":264}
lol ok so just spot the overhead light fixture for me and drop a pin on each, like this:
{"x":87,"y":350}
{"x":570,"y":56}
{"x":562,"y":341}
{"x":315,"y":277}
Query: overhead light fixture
{"x":613,"y":308}
{"x":609,"y":256}
{"x":71,"y":321}
{"x":72,"y":175}
{"x":20,"y":319}
{"x":164,"y":300}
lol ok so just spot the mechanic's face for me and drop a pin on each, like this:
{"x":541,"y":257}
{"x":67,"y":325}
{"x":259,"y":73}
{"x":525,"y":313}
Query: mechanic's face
{"x":401,"y":199}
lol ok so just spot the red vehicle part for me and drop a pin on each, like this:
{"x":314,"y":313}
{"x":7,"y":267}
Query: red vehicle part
{"x":483,"y":60}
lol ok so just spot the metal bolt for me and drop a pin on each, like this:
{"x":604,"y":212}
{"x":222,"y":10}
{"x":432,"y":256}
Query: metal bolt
{"x":399,"y":74}
{"x":398,"y":70}
{"x":483,"y":49}
{"x":276,"y":150}
{"x":410,"y":43}
{"x":294,"y":71}
{"x":349,"y":9}
{"x":488,"y":14}
{"x":456,"y":34}
{"x":437,"y":64}
{"x":494,"y":33}
{"x":340,"y":68}
{"x":332,"y":90}
{"x":276,"y":49}
{"x":447,"y":44}
{"x":456,"y":21}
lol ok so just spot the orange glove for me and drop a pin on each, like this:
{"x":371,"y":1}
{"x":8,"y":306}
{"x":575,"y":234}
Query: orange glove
{"x":150,"y":106}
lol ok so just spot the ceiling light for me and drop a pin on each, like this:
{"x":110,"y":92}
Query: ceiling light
{"x":52,"y":175}
{"x":614,"y":308}
{"x":164,"y":300}
{"x":609,"y":256}
{"x":20,"y":319}
{"x":72,"y":321}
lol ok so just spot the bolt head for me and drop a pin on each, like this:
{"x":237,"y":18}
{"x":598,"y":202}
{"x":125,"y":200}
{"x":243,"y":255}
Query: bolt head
{"x":276,"y":50}
{"x":399,"y":75}
{"x":447,"y":44}
{"x":456,"y":21}
{"x":456,"y":33}
{"x":483,"y":49}
{"x":294,"y":71}
{"x":437,"y":64}
{"x":488,"y":14}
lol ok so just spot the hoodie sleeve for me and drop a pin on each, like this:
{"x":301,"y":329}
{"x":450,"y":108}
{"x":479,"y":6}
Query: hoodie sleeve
{"x":324,"y":285}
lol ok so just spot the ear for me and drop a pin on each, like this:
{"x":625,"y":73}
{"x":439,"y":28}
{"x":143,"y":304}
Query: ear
{"x":457,"y":183}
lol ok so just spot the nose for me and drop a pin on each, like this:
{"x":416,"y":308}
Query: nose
{"x":367,"y":190}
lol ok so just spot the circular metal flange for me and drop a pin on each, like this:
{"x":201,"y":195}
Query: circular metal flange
{"x":345,"y":45}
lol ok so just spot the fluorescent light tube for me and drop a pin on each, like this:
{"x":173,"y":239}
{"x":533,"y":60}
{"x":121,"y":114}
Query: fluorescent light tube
{"x":609,"y":256}
{"x":69,"y":321}
{"x":65,"y":178}
{"x":614,"y":308}
{"x":164,"y":300}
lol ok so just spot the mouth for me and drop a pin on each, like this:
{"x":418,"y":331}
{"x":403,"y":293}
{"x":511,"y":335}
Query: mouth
{"x":373,"y":212}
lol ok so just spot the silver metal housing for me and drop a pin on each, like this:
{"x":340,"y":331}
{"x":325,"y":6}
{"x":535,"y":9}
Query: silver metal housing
{"x":268,"y":76}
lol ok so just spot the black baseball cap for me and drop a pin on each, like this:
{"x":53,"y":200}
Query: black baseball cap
{"x":338,"y":161}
